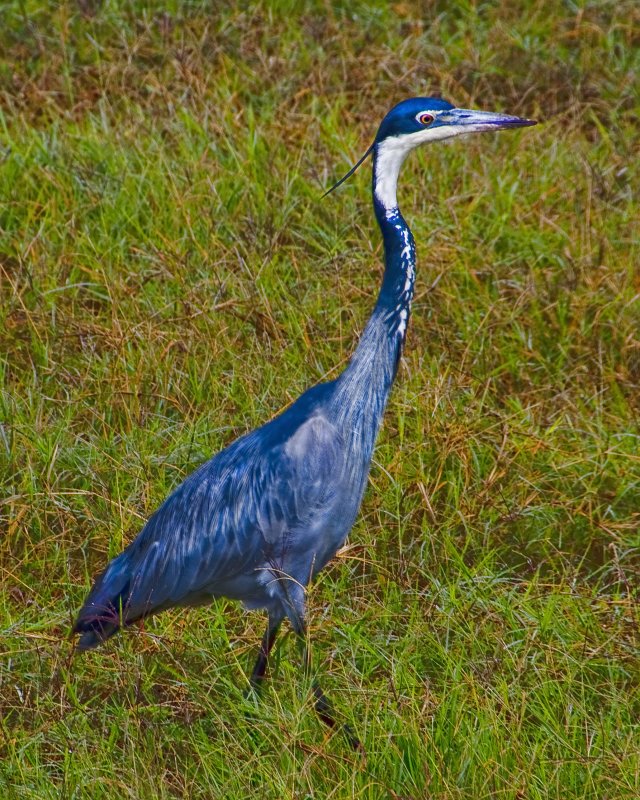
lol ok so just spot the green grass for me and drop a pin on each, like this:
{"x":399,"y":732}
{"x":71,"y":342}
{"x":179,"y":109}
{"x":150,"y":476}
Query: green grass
{"x":169,"y":279}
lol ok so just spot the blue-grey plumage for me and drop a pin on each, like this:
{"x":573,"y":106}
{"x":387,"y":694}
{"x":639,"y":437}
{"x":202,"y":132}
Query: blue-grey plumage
{"x":244,"y":526}
{"x":261,"y":518}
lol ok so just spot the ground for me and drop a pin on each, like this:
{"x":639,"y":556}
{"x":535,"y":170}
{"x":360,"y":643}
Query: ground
{"x":170,"y":278}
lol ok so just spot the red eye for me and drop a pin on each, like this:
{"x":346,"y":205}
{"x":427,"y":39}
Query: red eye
{"x":426,"y":118}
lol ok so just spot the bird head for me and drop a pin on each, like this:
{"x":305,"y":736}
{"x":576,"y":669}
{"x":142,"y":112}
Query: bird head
{"x":427,"y":119}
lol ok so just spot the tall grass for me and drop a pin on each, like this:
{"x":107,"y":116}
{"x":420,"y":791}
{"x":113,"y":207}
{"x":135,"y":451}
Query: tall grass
{"x":169,"y":279}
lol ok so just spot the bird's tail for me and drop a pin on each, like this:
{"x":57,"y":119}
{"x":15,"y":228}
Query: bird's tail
{"x":107,"y":607}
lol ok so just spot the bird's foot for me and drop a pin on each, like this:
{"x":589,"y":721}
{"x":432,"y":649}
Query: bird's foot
{"x":324,"y":710}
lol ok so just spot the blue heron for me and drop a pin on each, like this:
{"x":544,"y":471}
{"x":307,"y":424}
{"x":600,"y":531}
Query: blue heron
{"x":260,"y":519}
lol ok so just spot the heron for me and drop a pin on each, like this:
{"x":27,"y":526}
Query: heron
{"x":259,"y":520}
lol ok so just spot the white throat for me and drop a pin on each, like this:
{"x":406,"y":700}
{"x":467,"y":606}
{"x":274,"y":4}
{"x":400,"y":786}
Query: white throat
{"x":389,"y":157}
{"x":390,"y":154}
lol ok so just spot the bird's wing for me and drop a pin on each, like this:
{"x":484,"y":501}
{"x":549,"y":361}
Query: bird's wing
{"x":226,"y":523}
{"x":225,"y":518}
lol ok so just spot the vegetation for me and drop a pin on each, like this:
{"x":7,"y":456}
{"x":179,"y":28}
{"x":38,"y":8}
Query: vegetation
{"x":169,"y":279}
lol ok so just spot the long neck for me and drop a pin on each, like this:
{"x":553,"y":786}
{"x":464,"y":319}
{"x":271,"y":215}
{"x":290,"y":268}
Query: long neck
{"x":363,"y":388}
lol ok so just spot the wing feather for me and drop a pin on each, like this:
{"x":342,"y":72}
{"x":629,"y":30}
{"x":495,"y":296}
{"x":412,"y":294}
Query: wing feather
{"x":243,"y":506}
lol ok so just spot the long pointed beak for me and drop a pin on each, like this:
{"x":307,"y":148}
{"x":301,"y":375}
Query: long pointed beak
{"x":473,"y":121}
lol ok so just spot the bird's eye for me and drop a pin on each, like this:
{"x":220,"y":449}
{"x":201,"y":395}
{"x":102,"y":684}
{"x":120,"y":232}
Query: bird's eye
{"x":425,"y":118}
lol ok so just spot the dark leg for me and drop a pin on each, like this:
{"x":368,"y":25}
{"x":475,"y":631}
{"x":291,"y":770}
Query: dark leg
{"x":265,"y":648}
{"x":324,"y":708}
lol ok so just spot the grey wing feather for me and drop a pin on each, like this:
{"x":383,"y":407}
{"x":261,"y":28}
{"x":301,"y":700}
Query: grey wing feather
{"x":237,"y":511}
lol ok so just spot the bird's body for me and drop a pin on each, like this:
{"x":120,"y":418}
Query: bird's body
{"x":263,"y":516}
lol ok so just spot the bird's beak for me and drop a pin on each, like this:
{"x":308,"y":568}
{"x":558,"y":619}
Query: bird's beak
{"x":471,"y":121}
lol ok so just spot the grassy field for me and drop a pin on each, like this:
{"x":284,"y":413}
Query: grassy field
{"x":169,"y":278}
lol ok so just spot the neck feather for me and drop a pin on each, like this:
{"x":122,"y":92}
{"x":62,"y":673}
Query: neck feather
{"x":388,"y":157}
{"x":363,"y":388}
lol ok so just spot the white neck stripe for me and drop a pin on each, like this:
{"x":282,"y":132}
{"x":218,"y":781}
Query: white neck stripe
{"x":392,"y":151}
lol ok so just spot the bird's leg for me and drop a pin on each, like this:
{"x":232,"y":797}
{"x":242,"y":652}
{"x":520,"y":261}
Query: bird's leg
{"x":268,"y":640}
{"x":323,"y":706}
{"x":297,"y":614}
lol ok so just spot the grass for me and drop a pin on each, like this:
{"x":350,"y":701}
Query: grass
{"x":170,"y":279}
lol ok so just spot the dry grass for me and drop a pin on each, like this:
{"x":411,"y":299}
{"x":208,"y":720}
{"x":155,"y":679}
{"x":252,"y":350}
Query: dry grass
{"x":169,"y":279}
